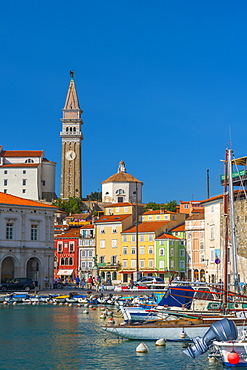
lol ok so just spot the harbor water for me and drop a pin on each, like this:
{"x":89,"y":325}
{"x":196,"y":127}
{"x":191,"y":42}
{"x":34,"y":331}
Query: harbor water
{"x":45,"y":336}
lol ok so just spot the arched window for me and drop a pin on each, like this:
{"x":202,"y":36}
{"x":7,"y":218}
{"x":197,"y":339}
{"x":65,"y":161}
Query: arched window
{"x":114,"y":275}
{"x":71,"y":261}
{"x":66,"y":261}
{"x":67,"y":129}
{"x":62,"y":261}
{"x":29,"y":160}
{"x":74,"y":130}
{"x":70,"y":129}
{"x":103,"y":274}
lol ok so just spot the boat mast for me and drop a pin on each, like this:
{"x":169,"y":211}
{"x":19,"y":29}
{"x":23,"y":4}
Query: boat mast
{"x":226,"y":233}
{"x":233,"y":227}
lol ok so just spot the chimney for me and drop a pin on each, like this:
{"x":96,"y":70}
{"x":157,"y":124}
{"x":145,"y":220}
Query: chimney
{"x":162,"y":210}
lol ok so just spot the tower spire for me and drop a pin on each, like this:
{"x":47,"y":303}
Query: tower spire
{"x":72,"y":101}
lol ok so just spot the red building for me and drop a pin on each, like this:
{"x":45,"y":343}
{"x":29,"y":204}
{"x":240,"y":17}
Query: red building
{"x":66,"y":254}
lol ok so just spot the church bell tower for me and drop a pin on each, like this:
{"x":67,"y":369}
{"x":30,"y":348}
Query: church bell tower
{"x":71,"y":135}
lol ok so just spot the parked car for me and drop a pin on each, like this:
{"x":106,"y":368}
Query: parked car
{"x":149,"y":280}
{"x":18,"y":284}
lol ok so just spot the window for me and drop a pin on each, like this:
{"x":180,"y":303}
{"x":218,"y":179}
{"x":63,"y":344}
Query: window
{"x":62,"y":261}
{"x":212,"y":255}
{"x":9,"y":231}
{"x":5,"y":172}
{"x":133,"y":238}
{"x":150,"y":249}
{"x":23,"y":191}
{"x":150,"y":263}
{"x":125,"y":263}
{"x":162,"y":252}
{"x":201,"y":244}
{"x":114,"y":243}
{"x":162,"y":242}
{"x":43,"y":182}
{"x":182,"y":253}
{"x":142,"y":249}
{"x":66,"y":261}
{"x":29,"y":160}
{"x":126,"y":209}
{"x":5,"y":182}
{"x":125,"y":250}
{"x":162,"y":264}
{"x":182,"y":265}
{"x":83,"y":253}
{"x":150,"y":218}
{"x":124,"y":238}
{"x":172,"y":264}
{"x":186,"y":206}
{"x":150,"y":238}
{"x":113,"y":260}
{"x":212,"y":232}
{"x":212,"y":209}
{"x":166,"y":217}
{"x":117,"y":210}
{"x":24,"y":182}
{"x":102,"y":243}
{"x":90,"y":264}
{"x":71,"y":262}
{"x":71,"y":247}
{"x":172,"y":252}
{"x":201,"y":258}
{"x":5,"y":191}
{"x":133,"y":250}
{"x":133,"y":263}
{"x":102,"y":230}
{"x":60,"y":247}
{"x":141,"y":238}
{"x":102,"y":259}
{"x":158,"y":217}
{"x":34,"y":232}
{"x":90,"y":253}
{"x":142,"y":263}
{"x":24,"y":172}
{"x":143,"y":218}
{"x":114,"y":230}
{"x":109,"y":211}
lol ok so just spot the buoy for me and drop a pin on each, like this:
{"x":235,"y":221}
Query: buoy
{"x":55,"y":303}
{"x":102,"y":308}
{"x":93,"y":308}
{"x":60,"y":304}
{"x":4,"y":302}
{"x":86,"y":305}
{"x":85,"y":311}
{"x":70,"y":305}
{"x":142,"y":348}
{"x":111,"y":321}
{"x":78,"y":305}
{"x":161,"y":342}
{"x":183,"y":335}
{"x":14,"y":303}
{"x":90,"y":306}
{"x":233,"y":358}
{"x":102,"y":316}
{"x":109,"y":313}
{"x":33,"y":303}
{"x":66,"y":304}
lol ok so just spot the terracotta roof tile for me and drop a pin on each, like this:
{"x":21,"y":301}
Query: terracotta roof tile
{"x":157,"y":212}
{"x":167,"y":236}
{"x":21,"y":165}
{"x":87,"y":227}
{"x":179,"y":228}
{"x":146,"y":227}
{"x":21,"y":153}
{"x":68,"y":234}
{"x":121,"y":177}
{"x":9,"y":199}
{"x":112,"y":218}
{"x":119,"y":205}
{"x":198,"y":216}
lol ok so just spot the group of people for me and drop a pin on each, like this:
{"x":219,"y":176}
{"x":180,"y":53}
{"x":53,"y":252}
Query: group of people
{"x":90,"y":283}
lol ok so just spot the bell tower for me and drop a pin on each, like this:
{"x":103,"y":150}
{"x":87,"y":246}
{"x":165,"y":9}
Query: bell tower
{"x":71,"y":135}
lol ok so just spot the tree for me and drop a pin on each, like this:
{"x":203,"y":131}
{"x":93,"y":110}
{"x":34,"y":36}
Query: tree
{"x":71,"y":206}
{"x":95,"y":195}
{"x":171,"y":206}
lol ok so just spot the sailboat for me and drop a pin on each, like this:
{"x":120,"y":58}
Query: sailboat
{"x":185,"y":328}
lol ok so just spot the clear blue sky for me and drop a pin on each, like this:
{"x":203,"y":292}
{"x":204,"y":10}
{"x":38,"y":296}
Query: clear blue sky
{"x":160,"y":83}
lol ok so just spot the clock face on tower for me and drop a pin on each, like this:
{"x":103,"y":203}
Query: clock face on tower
{"x":70,"y":155}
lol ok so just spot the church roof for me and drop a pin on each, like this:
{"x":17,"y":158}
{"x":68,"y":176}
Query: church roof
{"x":72,"y":101}
{"x":21,"y":153}
{"x":121,"y":177}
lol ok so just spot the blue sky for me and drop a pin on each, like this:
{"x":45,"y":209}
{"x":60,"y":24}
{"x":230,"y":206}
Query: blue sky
{"x":161,"y":84}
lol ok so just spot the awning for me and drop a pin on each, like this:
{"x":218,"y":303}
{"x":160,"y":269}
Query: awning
{"x":65,"y":272}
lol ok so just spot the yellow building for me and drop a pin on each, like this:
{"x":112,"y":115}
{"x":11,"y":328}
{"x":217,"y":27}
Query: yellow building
{"x":147,"y":232}
{"x":162,"y":215}
{"x":108,"y":244}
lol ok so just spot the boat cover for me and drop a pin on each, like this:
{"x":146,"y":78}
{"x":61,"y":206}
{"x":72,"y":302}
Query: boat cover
{"x":178,"y":296}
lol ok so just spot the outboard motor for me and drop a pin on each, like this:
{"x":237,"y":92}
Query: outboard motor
{"x":222,"y":330}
